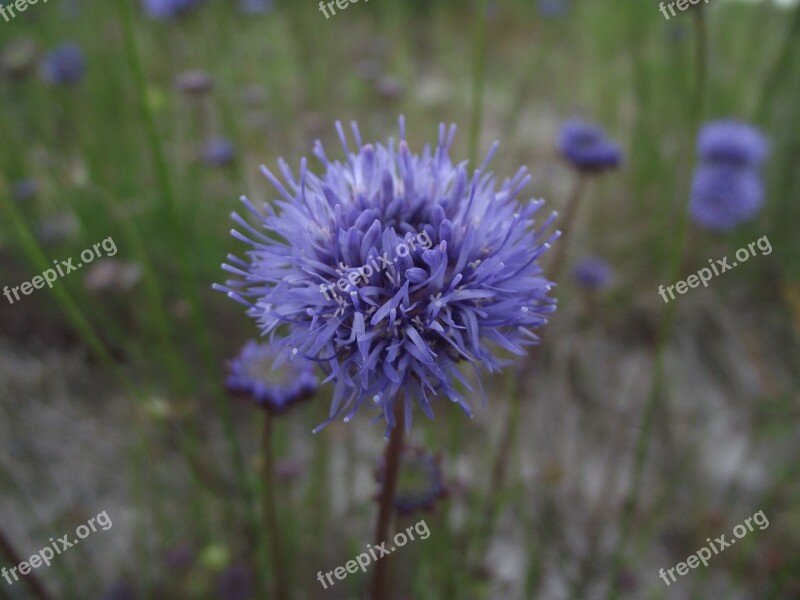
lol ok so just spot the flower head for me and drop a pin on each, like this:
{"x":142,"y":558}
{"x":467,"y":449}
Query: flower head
{"x":254,"y":373}
{"x":164,"y":10}
{"x":256,"y":7}
{"x":732,"y":143}
{"x":723,"y":196}
{"x":24,"y":189}
{"x":65,"y":65}
{"x":592,"y":273}
{"x":219,"y":152}
{"x":553,"y":9}
{"x":391,"y":269}
{"x":587,"y":148}
{"x":419,"y":481}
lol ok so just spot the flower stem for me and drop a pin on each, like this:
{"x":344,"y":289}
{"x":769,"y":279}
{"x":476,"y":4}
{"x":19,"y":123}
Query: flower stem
{"x":36,"y":586}
{"x":270,"y":512}
{"x":570,"y":212}
{"x":380,"y":583}
{"x":478,"y":77}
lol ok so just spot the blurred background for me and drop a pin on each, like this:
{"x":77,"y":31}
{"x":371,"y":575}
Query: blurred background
{"x":636,"y":432}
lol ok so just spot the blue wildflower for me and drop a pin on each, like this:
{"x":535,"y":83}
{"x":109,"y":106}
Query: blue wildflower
{"x":391,"y":269}
{"x":24,"y":189}
{"x":592,"y":273}
{"x":65,"y":65}
{"x":254,"y":373}
{"x":724,"y":196}
{"x":553,"y":9}
{"x":219,"y":152}
{"x":587,"y":148}
{"x":236,"y":583}
{"x":256,"y":7}
{"x":420,"y":482}
{"x":733,"y":143}
{"x":164,"y":10}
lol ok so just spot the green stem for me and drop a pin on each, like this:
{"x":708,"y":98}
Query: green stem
{"x":271,"y":523}
{"x":478,"y":78}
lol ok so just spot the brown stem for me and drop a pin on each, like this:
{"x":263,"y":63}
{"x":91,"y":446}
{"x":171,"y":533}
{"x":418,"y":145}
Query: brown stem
{"x":270,"y":512}
{"x":30,"y":579}
{"x":380,"y":589}
{"x":566,"y":226}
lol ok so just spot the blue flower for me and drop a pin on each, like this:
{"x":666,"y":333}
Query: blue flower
{"x":553,"y":9}
{"x":587,"y":148}
{"x":219,"y":152}
{"x":168,"y":9}
{"x":256,"y":7}
{"x":255,"y":373}
{"x":24,"y":189}
{"x":592,"y":273}
{"x":391,"y":269}
{"x":733,"y":143}
{"x":419,"y":481}
{"x":724,"y":196}
{"x":65,"y":65}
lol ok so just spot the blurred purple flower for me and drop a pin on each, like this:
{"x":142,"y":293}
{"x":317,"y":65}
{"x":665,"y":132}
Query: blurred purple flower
{"x":24,"y":189}
{"x":592,"y":273}
{"x":65,"y":65}
{"x":723,"y":196}
{"x":219,"y":152}
{"x":120,"y":591}
{"x":194,"y":82}
{"x":235,"y":583}
{"x":733,"y":143}
{"x":180,"y":557}
{"x":273,"y":384}
{"x":587,"y":148}
{"x":468,"y":281}
{"x":420,"y":482}
{"x":168,"y":9}
{"x":553,"y":9}
{"x":256,"y":7}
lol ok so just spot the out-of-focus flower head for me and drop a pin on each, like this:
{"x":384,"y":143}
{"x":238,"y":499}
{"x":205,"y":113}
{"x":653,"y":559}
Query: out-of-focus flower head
{"x":219,"y":152}
{"x":553,"y":9}
{"x":392,"y":269}
{"x":65,"y":65}
{"x":236,"y":583}
{"x":420,"y":482}
{"x":592,"y":273}
{"x":586,"y":147}
{"x":259,"y":373}
{"x":24,"y":189}
{"x":256,"y":7}
{"x":122,"y":590}
{"x":733,"y":143}
{"x":194,"y":82}
{"x":723,"y":196}
{"x":164,"y":10}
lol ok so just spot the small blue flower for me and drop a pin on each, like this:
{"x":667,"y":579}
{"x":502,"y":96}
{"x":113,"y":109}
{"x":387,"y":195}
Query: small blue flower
{"x":420,"y":482}
{"x":587,"y":148}
{"x":24,"y":189}
{"x":392,"y":269}
{"x":553,"y":9}
{"x":65,"y":65}
{"x":255,"y":373}
{"x":256,"y":7}
{"x":592,"y":273}
{"x":732,"y":142}
{"x":724,"y":196}
{"x":219,"y":152}
{"x":164,"y":10}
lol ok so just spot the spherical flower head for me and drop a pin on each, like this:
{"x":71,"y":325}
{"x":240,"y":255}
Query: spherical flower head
{"x":219,"y":152}
{"x":194,"y":82}
{"x":420,"y":482}
{"x":256,"y":7}
{"x":261,"y":373}
{"x":586,"y":147}
{"x":724,"y":196}
{"x":553,"y":9}
{"x":24,"y":189}
{"x":733,"y":143}
{"x":165,"y":10}
{"x":65,"y":65}
{"x":592,"y":273}
{"x":392,"y":269}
